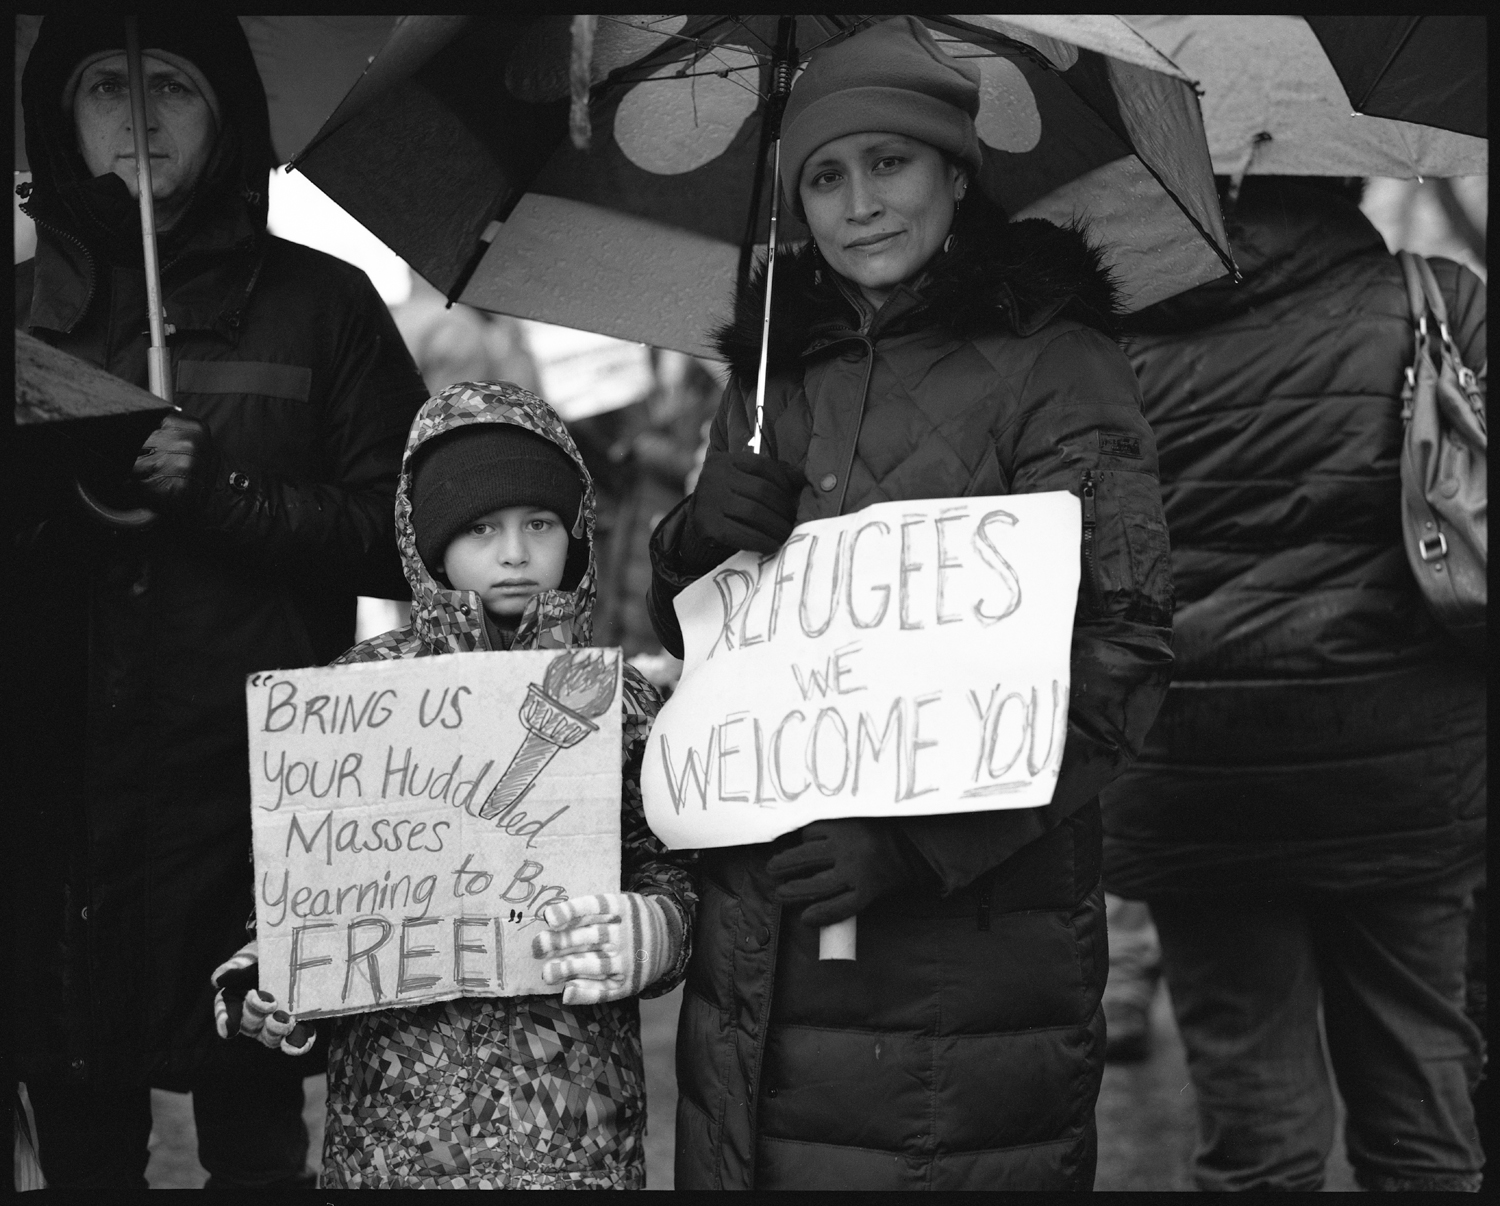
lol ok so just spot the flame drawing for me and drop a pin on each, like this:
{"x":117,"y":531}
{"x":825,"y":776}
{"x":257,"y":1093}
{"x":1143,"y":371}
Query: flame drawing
{"x":578,"y":686}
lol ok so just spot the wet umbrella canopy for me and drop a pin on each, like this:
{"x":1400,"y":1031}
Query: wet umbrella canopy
{"x":1433,"y":70}
{"x":307,"y":64}
{"x":1273,"y":105}
{"x":453,"y":149}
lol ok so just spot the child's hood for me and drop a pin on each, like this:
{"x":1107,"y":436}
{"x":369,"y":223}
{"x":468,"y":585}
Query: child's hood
{"x":453,"y":620}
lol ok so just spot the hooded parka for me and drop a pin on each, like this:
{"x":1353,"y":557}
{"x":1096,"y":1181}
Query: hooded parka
{"x":134,"y":804}
{"x":514,"y":1092}
{"x":963,"y":1048}
{"x":1322,"y":732}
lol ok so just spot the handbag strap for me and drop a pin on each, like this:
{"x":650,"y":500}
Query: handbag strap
{"x":1430,"y":287}
{"x":1416,"y":288}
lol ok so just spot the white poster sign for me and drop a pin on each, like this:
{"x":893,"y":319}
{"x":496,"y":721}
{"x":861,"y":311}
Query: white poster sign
{"x":910,"y":658}
{"x":412,"y":818}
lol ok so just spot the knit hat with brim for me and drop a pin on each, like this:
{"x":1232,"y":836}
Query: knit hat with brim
{"x":891,"y":78}
{"x":483,"y":467}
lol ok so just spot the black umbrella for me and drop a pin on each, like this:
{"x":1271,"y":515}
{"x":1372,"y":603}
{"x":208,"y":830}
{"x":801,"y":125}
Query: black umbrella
{"x":1432,"y":70}
{"x":454,"y":150}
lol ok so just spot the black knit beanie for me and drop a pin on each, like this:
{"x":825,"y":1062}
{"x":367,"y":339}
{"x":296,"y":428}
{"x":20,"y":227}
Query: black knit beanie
{"x":483,"y":467}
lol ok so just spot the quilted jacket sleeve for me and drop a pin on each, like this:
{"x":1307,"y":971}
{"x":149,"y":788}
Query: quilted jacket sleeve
{"x":646,"y":866}
{"x":338,"y":529}
{"x":1080,"y":424}
{"x":670,"y":572}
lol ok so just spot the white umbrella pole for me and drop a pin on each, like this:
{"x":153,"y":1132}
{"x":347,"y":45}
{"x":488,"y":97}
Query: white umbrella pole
{"x":834,"y":941}
{"x":158,"y":358}
{"x":765,"y":330}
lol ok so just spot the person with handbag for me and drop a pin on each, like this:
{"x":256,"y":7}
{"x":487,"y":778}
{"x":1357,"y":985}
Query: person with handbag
{"x":1307,"y":818}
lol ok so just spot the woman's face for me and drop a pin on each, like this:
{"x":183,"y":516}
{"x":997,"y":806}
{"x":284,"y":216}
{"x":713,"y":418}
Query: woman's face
{"x":879,"y":206}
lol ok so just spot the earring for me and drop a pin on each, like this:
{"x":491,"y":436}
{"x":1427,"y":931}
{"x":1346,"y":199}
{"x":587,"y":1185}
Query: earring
{"x":948,"y":242}
{"x":817,"y":263}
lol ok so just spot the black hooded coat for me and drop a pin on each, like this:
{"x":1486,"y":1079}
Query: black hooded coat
{"x":1322,"y":734}
{"x":133,"y":807}
{"x":964,"y":1047}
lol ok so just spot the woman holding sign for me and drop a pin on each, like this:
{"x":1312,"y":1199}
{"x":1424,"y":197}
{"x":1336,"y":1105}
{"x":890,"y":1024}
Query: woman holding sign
{"x":921,"y":347}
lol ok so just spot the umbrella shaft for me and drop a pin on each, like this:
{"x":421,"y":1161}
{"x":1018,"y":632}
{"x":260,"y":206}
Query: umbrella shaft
{"x":765,"y":331}
{"x":157,"y":360}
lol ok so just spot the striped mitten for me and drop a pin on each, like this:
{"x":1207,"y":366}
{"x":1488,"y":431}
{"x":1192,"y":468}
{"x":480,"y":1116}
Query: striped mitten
{"x":240,"y":1007}
{"x":610,"y":946}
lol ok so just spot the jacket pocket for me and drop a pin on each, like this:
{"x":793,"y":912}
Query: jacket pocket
{"x":1088,"y":550}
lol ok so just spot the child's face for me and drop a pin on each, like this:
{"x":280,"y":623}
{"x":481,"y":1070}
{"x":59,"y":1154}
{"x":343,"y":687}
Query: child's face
{"x":508,"y":556}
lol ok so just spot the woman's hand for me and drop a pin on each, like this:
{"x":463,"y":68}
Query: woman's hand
{"x":611,"y":945}
{"x":745,"y":501}
{"x":841,"y":866}
{"x":241,"y":1008}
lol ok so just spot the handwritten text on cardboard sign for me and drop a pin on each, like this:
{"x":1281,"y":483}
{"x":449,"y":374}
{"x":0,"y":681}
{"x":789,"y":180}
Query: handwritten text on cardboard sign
{"x":412,"y":818}
{"x":910,"y":658}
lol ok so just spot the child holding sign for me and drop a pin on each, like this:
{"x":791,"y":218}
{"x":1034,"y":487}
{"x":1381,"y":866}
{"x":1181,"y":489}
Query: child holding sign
{"x":495,"y":520}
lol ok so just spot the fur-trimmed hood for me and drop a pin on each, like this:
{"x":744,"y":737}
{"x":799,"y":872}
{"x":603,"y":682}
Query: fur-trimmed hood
{"x":999,"y":276}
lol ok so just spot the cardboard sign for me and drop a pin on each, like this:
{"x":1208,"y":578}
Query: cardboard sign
{"x":412,"y":819}
{"x":910,"y":658}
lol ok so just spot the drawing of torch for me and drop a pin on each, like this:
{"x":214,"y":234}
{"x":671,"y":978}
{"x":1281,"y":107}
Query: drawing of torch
{"x":578,"y":686}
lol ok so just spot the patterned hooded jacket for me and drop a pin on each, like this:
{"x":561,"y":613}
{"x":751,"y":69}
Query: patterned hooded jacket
{"x":517,"y":1092}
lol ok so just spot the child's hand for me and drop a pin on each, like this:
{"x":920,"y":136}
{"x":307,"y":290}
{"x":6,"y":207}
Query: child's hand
{"x":612,"y":945}
{"x":241,"y":1008}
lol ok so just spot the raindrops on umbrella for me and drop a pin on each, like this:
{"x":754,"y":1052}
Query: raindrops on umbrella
{"x":1008,"y":116}
{"x":668,"y":125}
{"x":536,"y":70}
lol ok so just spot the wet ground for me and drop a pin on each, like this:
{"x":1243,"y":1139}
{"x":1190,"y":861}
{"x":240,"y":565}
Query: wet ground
{"x":1145,"y":1116}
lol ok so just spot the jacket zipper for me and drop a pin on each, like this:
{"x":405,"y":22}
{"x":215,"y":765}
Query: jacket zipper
{"x":1090,"y":570}
{"x":859,"y":420}
{"x":88,"y":257}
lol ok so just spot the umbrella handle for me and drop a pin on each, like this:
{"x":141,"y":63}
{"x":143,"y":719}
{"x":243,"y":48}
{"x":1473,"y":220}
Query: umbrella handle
{"x":131,"y":519}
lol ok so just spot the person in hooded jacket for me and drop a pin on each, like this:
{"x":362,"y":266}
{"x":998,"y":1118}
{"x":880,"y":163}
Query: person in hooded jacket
{"x":529,"y":1092}
{"x":921,"y":347}
{"x":272,"y":489}
{"x":1307,"y":819}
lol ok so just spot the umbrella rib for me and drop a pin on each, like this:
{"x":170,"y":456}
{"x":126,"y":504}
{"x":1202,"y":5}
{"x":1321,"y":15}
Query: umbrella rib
{"x":850,"y":30}
{"x":976,"y":34}
{"x":697,"y":42}
{"x":650,"y":59}
{"x":740,"y":24}
{"x":724,"y":74}
{"x":1380,"y":75}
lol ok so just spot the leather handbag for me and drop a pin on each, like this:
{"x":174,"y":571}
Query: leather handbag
{"x":1444,"y":459}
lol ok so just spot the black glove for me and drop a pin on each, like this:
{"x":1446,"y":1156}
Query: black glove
{"x":742,"y":501}
{"x":178,"y":464}
{"x":842,"y":866}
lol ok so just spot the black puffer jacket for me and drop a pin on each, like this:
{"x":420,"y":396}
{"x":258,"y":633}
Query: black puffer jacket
{"x":963,"y":1049}
{"x":1321,"y":732}
{"x":134,"y":804}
